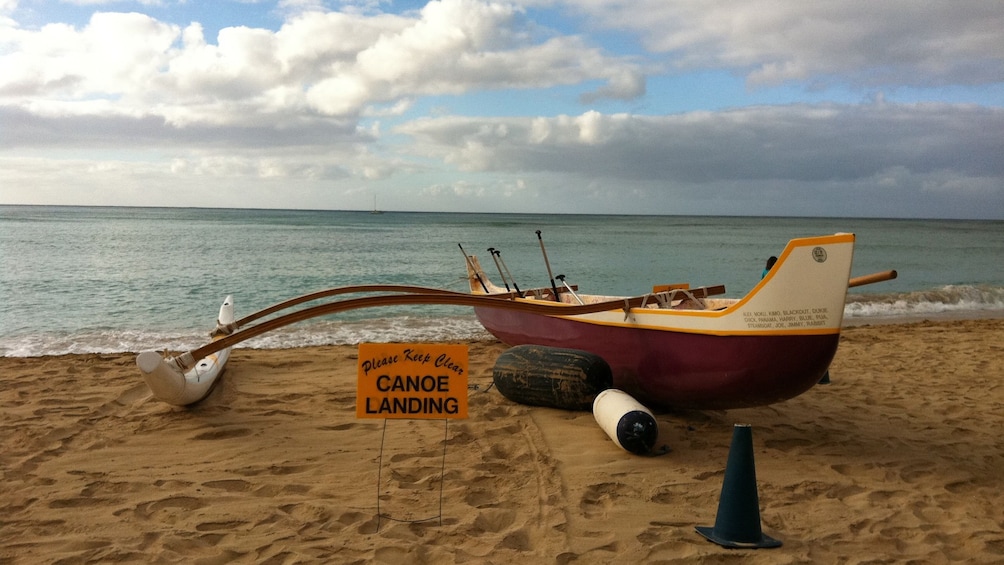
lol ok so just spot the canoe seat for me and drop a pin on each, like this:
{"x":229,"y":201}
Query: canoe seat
{"x":545,"y":293}
{"x":686,"y":298}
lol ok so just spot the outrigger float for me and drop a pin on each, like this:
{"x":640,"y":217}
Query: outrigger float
{"x":181,"y":385}
{"x":672,"y":347}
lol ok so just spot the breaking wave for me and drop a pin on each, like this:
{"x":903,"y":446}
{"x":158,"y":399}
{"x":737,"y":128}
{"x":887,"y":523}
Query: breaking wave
{"x":316,"y":332}
{"x":949,"y":299}
{"x":957,"y":300}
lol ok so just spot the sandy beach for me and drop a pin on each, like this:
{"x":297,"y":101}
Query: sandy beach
{"x":899,"y":459}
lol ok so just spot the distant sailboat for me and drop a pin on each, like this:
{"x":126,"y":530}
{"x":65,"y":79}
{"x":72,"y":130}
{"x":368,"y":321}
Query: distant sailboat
{"x":375,"y":211}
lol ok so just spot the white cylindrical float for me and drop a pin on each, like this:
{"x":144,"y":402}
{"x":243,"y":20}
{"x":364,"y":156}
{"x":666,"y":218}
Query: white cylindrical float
{"x":626,"y":421}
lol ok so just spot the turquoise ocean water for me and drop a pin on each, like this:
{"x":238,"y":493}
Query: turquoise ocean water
{"x":81,"y":279}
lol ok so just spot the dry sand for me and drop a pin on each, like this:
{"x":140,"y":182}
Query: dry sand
{"x":900,"y":459}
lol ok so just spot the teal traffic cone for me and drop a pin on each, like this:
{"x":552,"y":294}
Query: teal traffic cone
{"x":738,"y":522}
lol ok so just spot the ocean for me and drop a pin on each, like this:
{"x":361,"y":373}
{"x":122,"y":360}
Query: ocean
{"x":105,"y":279}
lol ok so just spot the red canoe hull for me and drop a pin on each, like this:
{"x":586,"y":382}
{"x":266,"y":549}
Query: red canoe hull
{"x":679,"y":369}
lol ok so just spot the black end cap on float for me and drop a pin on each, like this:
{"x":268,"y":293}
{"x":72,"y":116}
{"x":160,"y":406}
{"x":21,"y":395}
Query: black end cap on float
{"x":637,"y":432}
{"x":737,"y":525}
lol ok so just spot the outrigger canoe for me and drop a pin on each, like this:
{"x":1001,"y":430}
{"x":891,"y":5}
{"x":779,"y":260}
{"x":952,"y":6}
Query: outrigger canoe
{"x":686,"y":348}
{"x":172,"y":385}
{"x":670,"y":347}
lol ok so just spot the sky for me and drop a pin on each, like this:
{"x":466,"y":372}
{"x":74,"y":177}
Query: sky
{"x":850,"y":108}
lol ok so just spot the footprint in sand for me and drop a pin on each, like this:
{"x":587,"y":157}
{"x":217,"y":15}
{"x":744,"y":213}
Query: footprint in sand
{"x":132,"y":395}
{"x":227,"y":527}
{"x":229,"y":433}
{"x":914,"y":472}
{"x":481,"y":497}
{"x":493,"y":520}
{"x":843,"y":469}
{"x":599,"y":498}
{"x":272,"y":470}
{"x":518,"y":540}
{"x":665,"y":546}
{"x":671,"y":493}
{"x":167,"y":506}
{"x":429,"y":453}
{"x":229,"y":485}
{"x":353,"y":518}
{"x":962,"y":487}
{"x":393,"y":555}
{"x":349,"y":426}
{"x":994,"y":547}
{"x":709,"y":474}
{"x":78,"y":502}
{"x":172,"y":484}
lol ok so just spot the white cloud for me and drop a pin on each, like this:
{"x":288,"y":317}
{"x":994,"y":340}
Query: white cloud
{"x":328,"y":64}
{"x":798,"y":143}
{"x":107,"y":2}
{"x":857,"y":42}
{"x":489,"y":191}
{"x":113,"y":56}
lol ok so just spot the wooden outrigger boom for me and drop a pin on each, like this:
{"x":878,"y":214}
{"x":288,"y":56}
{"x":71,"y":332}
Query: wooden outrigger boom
{"x":872,"y":278}
{"x":412,"y":297}
{"x":416,"y":295}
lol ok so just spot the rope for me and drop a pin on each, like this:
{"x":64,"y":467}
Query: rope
{"x":663,"y":299}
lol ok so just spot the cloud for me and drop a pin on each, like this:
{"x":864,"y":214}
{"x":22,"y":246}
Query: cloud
{"x":457,"y":46}
{"x":855,"y":42}
{"x":114,"y":56}
{"x":318,"y":65}
{"x":24,"y":129}
{"x":784,"y":143}
{"x":106,"y":2}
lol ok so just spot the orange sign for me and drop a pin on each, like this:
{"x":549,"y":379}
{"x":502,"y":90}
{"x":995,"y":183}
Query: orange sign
{"x":412,"y":380}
